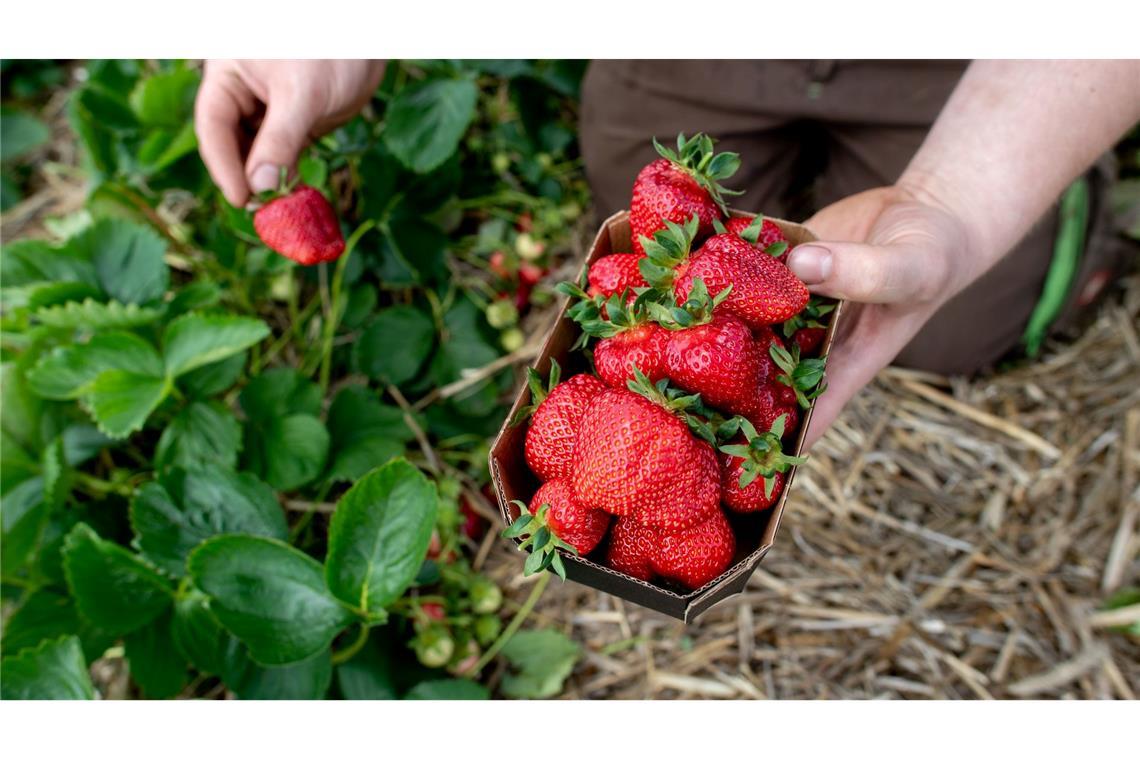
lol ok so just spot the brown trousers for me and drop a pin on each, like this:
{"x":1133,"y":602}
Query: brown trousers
{"x":848,"y":126}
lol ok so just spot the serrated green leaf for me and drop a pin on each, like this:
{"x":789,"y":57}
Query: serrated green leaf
{"x":364,"y":433}
{"x":24,"y":262}
{"x":194,"y":340}
{"x":128,"y":260}
{"x":23,"y":516}
{"x":309,"y":679}
{"x":270,"y":595}
{"x":93,"y":315}
{"x":448,"y":689}
{"x":541,"y":661}
{"x":44,"y":614}
{"x":279,"y":392}
{"x":214,"y":378}
{"x":120,"y":401}
{"x":156,"y":666}
{"x":113,"y":588}
{"x":20,"y":133}
{"x":173,"y":515}
{"x":53,"y":670}
{"x":201,"y":640}
{"x":69,"y":371}
{"x":395,"y":345}
{"x":202,"y":433}
{"x":165,"y":99}
{"x":368,"y":675}
{"x":287,"y":452}
{"x":379,"y":536}
{"x":425,"y":121}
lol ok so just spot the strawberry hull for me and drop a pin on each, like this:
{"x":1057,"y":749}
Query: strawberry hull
{"x":755,"y":533}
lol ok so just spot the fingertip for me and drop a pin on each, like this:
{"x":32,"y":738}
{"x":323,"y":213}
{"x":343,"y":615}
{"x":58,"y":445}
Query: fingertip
{"x":811,"y":263}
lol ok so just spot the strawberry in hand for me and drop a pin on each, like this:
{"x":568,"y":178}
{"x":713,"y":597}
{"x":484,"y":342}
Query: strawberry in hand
{"x":753,"y":467}
{"x":681,"y":184}
{"x":556,"y":412}
{"x":300,"y":225}
{"x":762,"y":233}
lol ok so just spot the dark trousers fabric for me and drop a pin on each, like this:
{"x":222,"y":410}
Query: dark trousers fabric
{"x":849,"y":126}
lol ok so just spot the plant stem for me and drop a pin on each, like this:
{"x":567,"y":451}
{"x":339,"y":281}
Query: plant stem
{"x":346,"y":654}
{"x":513,"y":626}
{"x":332,"y":317}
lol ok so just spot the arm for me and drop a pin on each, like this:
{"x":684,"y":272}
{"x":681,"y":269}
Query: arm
{"x":1007,"y":143}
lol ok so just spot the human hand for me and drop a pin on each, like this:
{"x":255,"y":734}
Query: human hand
{"x":254,"y":117}
{"x":907,"y":263}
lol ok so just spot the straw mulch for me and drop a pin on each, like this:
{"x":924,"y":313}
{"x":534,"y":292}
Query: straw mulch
{"x":948,"y":539}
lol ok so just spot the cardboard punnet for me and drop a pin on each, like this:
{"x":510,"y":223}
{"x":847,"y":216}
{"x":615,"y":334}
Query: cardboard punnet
{"x":513,"y":480}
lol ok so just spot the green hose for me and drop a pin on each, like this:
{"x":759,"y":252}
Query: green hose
{"x":1070,"y":244}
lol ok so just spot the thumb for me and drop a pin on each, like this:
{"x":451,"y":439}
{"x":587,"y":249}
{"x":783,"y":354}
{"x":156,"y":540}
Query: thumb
{"x":868,"y":273}
{"x":282,"y":136}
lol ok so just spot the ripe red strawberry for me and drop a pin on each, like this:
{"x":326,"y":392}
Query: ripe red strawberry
{"x":753,"y":467}
{"x":764,"y":291}
{"x":568,"y":520}
{"x":761,"y":233}
{"x":631,"y":546}
{"x":808,"y":339}
{"x":696,"y":555}
{"x":635,"y":456}
{"x":629,"y":338}
{"x":680,"y":184}
{"x":557,"y":414}
{"x":434,"y":610}
{"x":301,"y":226}
{"x":712,"y":353}
{"x":806,"y":329}
{"x":613,"y":274}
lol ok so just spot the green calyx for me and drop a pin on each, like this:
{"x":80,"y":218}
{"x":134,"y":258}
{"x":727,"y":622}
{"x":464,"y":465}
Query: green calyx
{"x":751,"y":234}
{"x":538,"y":390}
{"x":284,"y":186}
{"x":601,"y":317}
{"x":695,"y":156}
{"x":668,"y":248}
{"x":763,"y":454}
{"x":696,"y":310}
{"x":809,"y":316}
{"x":687,"y":406}
{"x":540,"y":540}
{"x":804,"y":376}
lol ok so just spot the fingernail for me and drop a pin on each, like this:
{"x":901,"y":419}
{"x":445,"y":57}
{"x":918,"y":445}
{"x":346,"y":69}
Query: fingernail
{"x":263,"y":178}
{"x":811,"y":263}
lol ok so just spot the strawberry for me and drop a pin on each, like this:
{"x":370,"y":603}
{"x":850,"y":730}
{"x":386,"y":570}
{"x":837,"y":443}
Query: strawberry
{"x":801,"y":378}
{"x":696,"y":555}
{"x":764,"y":291}
{"x":568,"y":520}
{"x":761,"y":233}
{"x":637,"y":456}
{"x":630,"y":340}
{"x":753,"y":467}
{"x":631,"y":546}
{"x":301,"y":226}
{"x":614,"y":274}
{"x":805,"y":329}
{"x":681,"y":184}
{"x":433,"y":610}
{"x":557,"y":413}
{"x":712,"y":353}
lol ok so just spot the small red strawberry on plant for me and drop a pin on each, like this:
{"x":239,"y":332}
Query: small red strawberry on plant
{"x":753,"y":467}
{"x":764,"y":291}
{"x":761,"y":233}
{"x":615,"y":274}
{"x":805,"y":329}
{"x":300,"y":225}
{"x":556,"y":411}
{"x":681,"y":184}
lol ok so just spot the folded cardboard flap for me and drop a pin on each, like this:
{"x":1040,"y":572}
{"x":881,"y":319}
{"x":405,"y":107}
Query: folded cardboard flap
{"x":513,"y":480}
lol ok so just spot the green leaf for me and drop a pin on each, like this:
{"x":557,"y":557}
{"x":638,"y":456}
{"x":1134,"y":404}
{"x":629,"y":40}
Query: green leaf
{"x":156,"y":666}
{"x":288,"y":452}
{"x":28,"y":261}
{"x":368,"y":675}
{"x":417,"y":245}
{"x":213,"y":378}
{"x":48,"y":614}
{"x":20,"y":133}
{"x":395,"y":345}
{"x":69,"y":371}
{"x":165,"y":99}
{"x":541,"y":661}
{"x":93,"y":315}
{"x":364,"y":433}
{"x":121,"y":401}
{"x":201,"y":640}
{"x":46,"y":295}
{"x":23,"y":516}
{"x":195,"y":340}
{"x":128,"y":260}
{"x":173,"y":515}
{"x":379,"y":535}
{"x":53,"y":670}
{"x":448,"y":689}
{"x":280,"y":392}
{"x":164,"y":147}
{"x":203,"y":433}
{"x":425,"y":121}
{"x":309,"y":679}
{"x":113,"y":588}
{"x":269,"y":595}
{"x":463,"y":347}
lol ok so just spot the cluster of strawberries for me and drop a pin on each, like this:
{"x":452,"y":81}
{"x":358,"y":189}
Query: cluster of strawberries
{"x":695,"y":388}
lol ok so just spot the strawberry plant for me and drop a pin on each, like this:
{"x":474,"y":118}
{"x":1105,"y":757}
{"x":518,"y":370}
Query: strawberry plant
{"x":237,"y":474}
